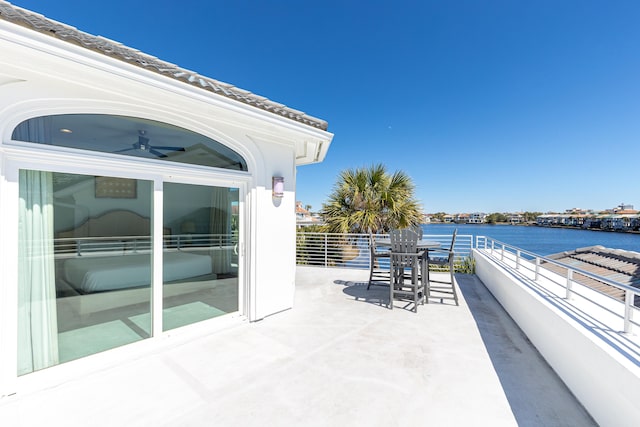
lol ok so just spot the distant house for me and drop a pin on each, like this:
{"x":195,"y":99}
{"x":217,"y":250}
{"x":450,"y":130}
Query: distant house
{"x":138,"y":200}
{"x":477,"y":218}
{"x":553,"y":219}
{"x":618,"y":222}
{"x":515,"y":218}
{"x":624,"y":207}
{"x":462,"y":218}
{"x":304,"y":217}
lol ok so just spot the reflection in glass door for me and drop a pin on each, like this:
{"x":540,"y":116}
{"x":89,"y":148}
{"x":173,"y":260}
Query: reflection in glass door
{"x":84,"y":266}
{"x":200,"y":261}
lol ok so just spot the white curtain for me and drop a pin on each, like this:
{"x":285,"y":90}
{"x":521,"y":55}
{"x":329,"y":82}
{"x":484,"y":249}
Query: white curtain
{"x":221,"y":230}
{"x":37,"y":315}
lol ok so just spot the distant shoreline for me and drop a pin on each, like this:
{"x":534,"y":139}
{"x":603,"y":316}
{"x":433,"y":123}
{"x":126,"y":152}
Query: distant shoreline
{"x":563,"y":227}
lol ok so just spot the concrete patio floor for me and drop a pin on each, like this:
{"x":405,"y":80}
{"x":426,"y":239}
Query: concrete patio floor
{"x":340,"y":357}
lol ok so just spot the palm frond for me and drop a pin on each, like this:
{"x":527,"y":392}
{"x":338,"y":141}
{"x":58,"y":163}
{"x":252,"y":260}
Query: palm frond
{"x":369,"y":200}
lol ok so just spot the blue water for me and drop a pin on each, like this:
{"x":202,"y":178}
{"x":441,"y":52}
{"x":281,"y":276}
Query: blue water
{"x":542,"y":240}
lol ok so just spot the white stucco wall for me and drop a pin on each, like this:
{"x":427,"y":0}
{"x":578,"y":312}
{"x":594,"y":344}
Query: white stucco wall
{"x":603,"y":380}
{"x":273,"y":258}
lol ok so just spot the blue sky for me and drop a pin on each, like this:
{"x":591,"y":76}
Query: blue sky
{"x":490,"y":106}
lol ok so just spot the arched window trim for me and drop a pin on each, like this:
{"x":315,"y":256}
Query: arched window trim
{"x":136,"y":137}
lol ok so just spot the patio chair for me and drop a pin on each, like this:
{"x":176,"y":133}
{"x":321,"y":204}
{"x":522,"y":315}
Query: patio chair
{"x":406,"y":265}
{"x":377,"y":274}
{"x":441,"y":257}
{"x":419,"y":231}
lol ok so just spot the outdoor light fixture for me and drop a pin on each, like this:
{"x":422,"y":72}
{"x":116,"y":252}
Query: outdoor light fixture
{"x":277,"y":183}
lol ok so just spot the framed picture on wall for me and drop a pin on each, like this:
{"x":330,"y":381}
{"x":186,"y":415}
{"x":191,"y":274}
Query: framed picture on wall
{"x":115,"y":188}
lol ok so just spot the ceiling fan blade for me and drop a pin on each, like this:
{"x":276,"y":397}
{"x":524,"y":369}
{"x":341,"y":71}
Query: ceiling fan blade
{"x":122,"y":151}
{"x":156,"y":153}
{"x":158,"y":147}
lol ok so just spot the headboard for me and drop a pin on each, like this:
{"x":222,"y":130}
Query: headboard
{"x":112,"y":223}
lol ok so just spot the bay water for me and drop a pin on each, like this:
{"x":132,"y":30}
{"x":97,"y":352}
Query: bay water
{"x":541,"y":240}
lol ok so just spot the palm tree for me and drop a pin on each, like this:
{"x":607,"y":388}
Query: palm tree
{"x":369,"y":200}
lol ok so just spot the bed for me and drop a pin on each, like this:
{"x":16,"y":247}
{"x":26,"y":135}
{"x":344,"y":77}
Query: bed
{"x":105,"y":262}
{"x":107,"y":273}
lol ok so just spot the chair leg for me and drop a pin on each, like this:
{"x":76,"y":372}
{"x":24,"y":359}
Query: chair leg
{"x":372,"y":270}
{"x":377,"y":274}
{"x":453,"y":283}
{"x":415,"y":287}
{"x":422,"y":282}
{"x":392,"y":283}
{"x":427,"y":284}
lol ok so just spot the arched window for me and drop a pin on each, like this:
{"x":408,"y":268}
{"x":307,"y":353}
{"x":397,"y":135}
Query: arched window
{"x":128,"y":136}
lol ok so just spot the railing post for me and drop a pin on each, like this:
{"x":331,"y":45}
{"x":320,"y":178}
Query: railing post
{"x":628,"y":312}
{"x":569,"y":282}
{"x":502,"y":253}
{"x":537,"y":268}
{"x":518,"y":259}
{"x":326,"y":249}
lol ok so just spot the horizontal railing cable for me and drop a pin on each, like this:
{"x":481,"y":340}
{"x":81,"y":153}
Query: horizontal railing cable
{"x":352,"y":250}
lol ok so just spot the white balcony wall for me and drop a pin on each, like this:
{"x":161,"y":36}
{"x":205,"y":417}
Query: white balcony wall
{"x":605,"y":381}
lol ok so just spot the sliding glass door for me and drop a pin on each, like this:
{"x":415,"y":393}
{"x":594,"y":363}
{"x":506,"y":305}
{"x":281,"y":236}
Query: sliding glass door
{"x":86,"y":262}
{"x":200,"y":263}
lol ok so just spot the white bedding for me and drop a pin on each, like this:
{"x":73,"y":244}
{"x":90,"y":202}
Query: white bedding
{"x":95,"y":274}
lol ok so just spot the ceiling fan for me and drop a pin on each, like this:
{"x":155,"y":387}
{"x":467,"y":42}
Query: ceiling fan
{"x":143,"y":145}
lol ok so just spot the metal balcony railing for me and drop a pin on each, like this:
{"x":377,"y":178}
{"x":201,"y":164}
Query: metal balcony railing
{"x":352,"y":250}
{"x":531,"y":265}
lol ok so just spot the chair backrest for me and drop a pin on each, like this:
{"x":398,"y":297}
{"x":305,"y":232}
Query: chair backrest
{"x":372,"y":245}
{"x":453,"y":244}
{"x":453,"y":240}
{"x":419,"y":231}
{"x":404,"y":241}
